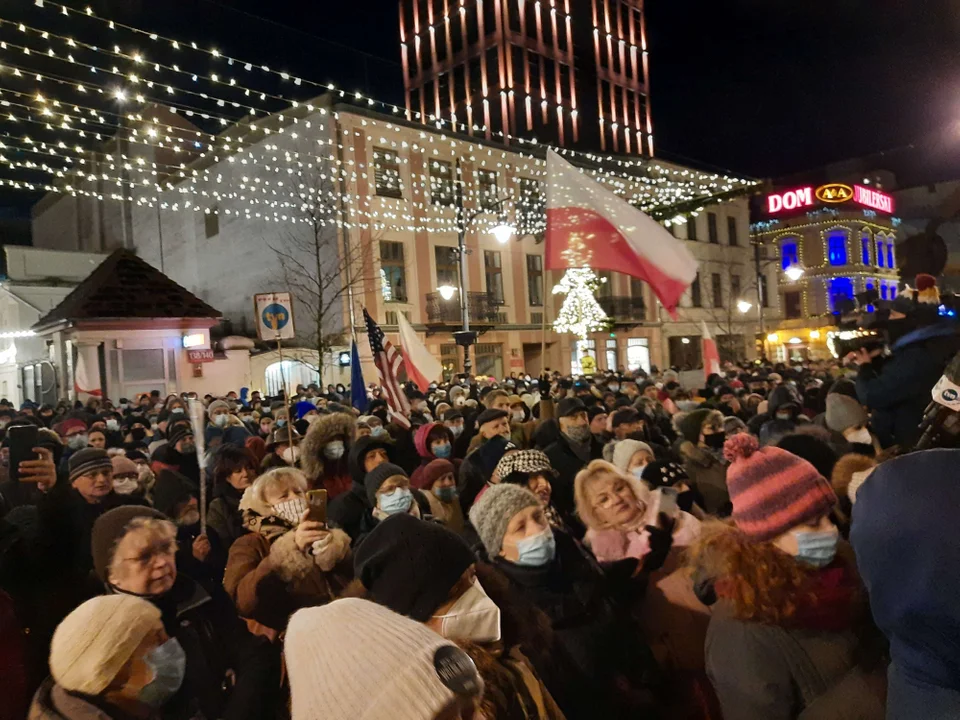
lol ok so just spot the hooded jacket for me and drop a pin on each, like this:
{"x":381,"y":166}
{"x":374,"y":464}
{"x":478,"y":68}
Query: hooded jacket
{"x":908,"y":551}
{"x":897,"y":390}
{"x":426,"y":455}
{"x":333,"y":475}
{"x":351,"y":510}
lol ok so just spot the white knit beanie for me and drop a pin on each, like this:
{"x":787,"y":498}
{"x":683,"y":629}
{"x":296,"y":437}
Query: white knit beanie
{"x":96,"y":640}
{"x":623,"y":450}
{"x":355,"y":660}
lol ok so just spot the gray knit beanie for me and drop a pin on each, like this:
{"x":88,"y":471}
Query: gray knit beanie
{"x":844,"y":412}
{"x":623,"y":450}
{"x":217,"y":405}
{"x":492,"y":512}
{"x":378,"y":476}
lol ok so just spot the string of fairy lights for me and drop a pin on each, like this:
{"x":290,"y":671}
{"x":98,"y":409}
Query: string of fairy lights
{"x":296,"y":163}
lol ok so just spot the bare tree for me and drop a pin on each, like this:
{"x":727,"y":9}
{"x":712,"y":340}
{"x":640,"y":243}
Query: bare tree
{"x":317,"y":268}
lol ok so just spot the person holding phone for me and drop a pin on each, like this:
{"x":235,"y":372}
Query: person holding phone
{"x":285,"y":561}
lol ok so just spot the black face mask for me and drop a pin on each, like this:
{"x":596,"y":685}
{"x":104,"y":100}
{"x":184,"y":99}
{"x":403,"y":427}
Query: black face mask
{"x":138,"y":434}
{"x":863,"y":449}
{"x":715,"y":441}
{"x":685,"y":500}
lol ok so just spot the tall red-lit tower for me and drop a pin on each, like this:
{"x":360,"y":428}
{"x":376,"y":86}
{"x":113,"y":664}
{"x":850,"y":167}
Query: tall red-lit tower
{"x":570,"y":72}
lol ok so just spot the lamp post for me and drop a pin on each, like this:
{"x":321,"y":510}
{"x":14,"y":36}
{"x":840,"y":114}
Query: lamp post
{"x":503,"y":231}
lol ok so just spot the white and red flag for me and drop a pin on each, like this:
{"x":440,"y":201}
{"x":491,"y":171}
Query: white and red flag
{"x":422,"y":367}
{"x":589,"y":226}
{"x":711,"y":357}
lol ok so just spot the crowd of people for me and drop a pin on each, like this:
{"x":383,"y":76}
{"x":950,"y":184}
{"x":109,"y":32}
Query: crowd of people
{"x":603,"y":546}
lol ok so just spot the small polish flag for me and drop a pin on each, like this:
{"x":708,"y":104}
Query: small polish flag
{"x":711,"y":358}
{"x":422,"y":367}
{"x":589,"y":226}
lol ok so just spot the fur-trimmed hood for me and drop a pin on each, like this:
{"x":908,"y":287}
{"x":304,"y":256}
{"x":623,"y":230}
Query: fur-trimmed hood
{"x":322,"y":431}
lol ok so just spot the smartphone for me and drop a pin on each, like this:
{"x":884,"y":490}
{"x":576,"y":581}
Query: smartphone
{"x":23,"y":439}
{"x":317,"y":506}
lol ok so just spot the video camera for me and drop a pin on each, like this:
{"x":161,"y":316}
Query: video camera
{"x":863,"y":321}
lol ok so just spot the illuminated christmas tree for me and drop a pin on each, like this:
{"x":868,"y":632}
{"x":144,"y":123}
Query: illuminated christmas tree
{"x":580,"y":313}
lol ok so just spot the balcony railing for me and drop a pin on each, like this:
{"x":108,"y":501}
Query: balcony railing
{"x":482,"y":307}
{"x":624,"y":307}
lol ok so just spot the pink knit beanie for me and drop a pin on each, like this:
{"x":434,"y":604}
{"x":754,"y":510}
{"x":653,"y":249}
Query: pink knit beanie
{"x":772,"y":490}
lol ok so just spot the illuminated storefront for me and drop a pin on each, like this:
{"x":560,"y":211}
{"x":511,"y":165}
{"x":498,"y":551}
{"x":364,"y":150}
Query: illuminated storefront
{"x":831,"y":242}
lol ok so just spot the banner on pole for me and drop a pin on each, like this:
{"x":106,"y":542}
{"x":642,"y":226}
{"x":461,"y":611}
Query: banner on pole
{"x":274,"y":312}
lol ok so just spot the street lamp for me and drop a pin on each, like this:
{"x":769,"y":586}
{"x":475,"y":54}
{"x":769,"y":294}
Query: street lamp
{"x":502,"y":231}
{"x":794,"y":272}
{"x":447,"y":291}
{"x":743,"y":306}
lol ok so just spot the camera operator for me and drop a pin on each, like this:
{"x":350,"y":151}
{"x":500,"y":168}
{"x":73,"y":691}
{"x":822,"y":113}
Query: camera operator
{"x":896,"y":387}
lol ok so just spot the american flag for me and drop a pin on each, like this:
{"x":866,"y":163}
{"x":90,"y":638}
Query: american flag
{"x":388,"y":362}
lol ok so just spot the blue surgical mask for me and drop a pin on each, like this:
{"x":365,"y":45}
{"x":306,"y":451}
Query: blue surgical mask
{"x":538,"y":550}
{"x":817,"y":548}
{"x":169,"y":664}
{"x":446,"y":494}
{"x":442,"y":451}
{"x":398,"y":501}
{"x":281,"y":422}
{"x":378,"y":431}
{"x":638,"y":472}
{"x":456,"y":430}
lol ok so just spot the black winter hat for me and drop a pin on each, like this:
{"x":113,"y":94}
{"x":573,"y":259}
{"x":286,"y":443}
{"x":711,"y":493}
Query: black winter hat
{"x":178,"y":433}
{"x":570,"y":406}
{"x":171,"y":489}
{"x":489,"y":415}
{"x":625,"y":417}
{"x":110,"y":528}
{"x":87,"y":461}
{"x":812,"y":449}
{"x":664,"y":474}
{"x":410,"y":565}
{"x":377,"y":477}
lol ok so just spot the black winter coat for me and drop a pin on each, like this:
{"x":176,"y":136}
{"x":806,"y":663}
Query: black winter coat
{"x":568,"y":461}
{"x":216,"y":642}
{"x":897,"y":390}
{"x":595,"y":632}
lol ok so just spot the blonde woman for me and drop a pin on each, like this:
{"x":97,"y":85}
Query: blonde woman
{"x":619,"y":511}
{"x":284,"y":562}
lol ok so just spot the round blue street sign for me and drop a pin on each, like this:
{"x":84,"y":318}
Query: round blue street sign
{"x":275,"y":316}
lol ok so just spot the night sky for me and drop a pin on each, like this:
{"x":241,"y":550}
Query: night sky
{"x":757,"y":87}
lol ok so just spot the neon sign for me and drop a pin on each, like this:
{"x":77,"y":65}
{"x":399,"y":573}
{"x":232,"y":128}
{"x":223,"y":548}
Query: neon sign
{"x":790,"y":200}
{"x":834,"y":193}
{"x":831,"y":194}
{"x":873,"y":199}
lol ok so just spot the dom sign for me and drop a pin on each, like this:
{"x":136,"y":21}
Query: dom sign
{"x":832,"y":193}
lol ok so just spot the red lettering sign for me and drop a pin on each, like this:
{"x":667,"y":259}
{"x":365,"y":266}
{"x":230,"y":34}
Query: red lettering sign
{"x":200,"y":356}
{"x":790,"y":200}
{"x":873,"y":199}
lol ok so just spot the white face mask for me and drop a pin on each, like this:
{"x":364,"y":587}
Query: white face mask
{"x":333,"y":450}
{"x":125,"y":486}
{"x":290,"y":454}
{"x":518,"y":416}
{"x":860,"y":437}
{"x":291,"y":510}
{"x":474,"y":616}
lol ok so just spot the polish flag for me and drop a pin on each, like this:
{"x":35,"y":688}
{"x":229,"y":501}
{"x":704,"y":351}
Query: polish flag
{"x":711,"y":358}
{"x":589,"y":226}
{"x":422,"y":367}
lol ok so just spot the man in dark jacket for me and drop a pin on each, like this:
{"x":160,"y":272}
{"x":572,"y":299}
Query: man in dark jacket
{"x":897,"y":388}
{"x":230,"y":673}
{"x":572,"y":451}
{"x":351,"y":511}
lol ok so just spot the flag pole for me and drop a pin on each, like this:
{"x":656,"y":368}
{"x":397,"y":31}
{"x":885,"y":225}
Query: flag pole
{"x":543,"y":338}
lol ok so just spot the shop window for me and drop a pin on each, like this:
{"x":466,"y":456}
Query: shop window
{"x":883,"y":291}
{"x":611,"y":354}
{"x":788,"y":254}
{"x":837,"y":248}
{"x":890,"y":263}
{"x":638,"y":354}
{"x":865,"y":248}
{"x":880,"y":257}
{"x":490,"y":359}
{"x":580,"y":348}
